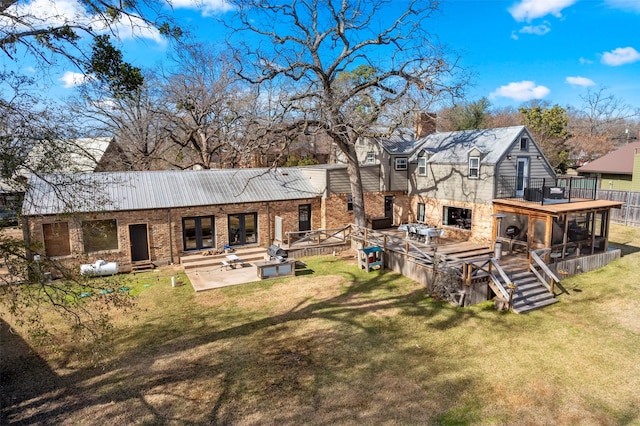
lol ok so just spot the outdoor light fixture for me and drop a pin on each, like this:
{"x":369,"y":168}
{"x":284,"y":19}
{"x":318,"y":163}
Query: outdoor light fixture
{"x":539,"y":157}
{"x":508,"y":156}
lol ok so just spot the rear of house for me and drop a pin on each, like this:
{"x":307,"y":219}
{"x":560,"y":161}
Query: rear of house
{"x":157,"y":217}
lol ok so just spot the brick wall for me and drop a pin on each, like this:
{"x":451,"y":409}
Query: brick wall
{"x":164,"y":228}
{"x":481,"y":219}
{"x":337,"y":215}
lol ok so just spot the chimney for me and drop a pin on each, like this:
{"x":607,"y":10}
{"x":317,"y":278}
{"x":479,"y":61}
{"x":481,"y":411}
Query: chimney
{"x":424,"y":124}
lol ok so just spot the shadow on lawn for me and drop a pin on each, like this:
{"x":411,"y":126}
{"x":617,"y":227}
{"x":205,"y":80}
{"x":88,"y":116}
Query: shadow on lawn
{"x":625,"y":248}
{"x":356,"y":360}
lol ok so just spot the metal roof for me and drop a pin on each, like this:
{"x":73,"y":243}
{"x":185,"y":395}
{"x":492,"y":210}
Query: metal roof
{"x":454,"y":147}
{"x":119,"y":191}
{"x":619,"y":161}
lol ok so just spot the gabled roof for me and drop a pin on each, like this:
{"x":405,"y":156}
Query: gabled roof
{"x":399,"y":143}
{"x":118,"y":191}
{"x":618,"y":162}
{"x":454,"y":147}
{"x":76,"y":155}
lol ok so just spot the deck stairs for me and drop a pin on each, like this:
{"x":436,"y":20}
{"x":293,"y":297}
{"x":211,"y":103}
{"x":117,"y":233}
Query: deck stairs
{"x":530,"y":293}
{"x":208,"y":260}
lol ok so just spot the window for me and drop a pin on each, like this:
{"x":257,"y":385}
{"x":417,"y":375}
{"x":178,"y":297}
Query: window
{"x":456,"y":216}
{"x":349,"y":203}
{"x":474,"y":167}
{"x":401,"y":163}
{"x":524,"y":144}
{"x":420,"y":216}
{"x":56,"y":239}
{"x":371,"y":158}
{"x":422,"y":166}
{"x":99,"y":235}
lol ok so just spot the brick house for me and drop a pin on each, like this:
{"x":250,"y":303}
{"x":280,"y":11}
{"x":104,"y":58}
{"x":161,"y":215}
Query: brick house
{"x":137,"y":217}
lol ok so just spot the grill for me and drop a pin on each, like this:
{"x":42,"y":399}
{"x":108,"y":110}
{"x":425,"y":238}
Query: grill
{"x":275,"y":252}
{"x":512,"y":231}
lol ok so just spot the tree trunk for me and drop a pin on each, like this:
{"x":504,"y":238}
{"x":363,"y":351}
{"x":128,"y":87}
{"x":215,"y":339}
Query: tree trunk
{"x":357,"y":192}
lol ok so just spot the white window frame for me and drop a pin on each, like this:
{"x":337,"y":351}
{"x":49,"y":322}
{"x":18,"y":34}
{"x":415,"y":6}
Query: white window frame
{"x":474,"y":167}
{"x":421,"y":213}
{"x":524,"y":144}
{"x":422,"y":166}
{"x":401,"y":163}
{"x":371,"y":158}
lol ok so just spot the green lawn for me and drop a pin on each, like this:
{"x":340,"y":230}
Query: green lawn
{"x":339,"y":346}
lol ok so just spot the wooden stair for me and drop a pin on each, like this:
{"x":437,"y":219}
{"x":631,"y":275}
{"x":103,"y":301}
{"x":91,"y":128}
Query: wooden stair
{"x":142,"y":266}
{"x":529,"y":294}
{"x":204,"y":261}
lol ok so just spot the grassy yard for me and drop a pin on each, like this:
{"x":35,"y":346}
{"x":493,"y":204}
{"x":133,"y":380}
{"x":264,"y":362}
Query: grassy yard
{"x":335,"y":345}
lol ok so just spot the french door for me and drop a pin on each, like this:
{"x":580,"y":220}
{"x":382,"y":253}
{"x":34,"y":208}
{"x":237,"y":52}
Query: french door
{"x":243,"y":229}
{"x":198,"y":232}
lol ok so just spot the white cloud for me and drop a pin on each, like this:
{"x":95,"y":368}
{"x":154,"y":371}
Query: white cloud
{"x":620,"y":56}
{"x":521,"y":91}
{"x":580,"y":81}
{"x":208,"y":7}
{"x":528,"y":10}
{"x":585,"y":61}
{"x":631,"y":5}
{"x":541,"y":29}
{"x":73,"y":79}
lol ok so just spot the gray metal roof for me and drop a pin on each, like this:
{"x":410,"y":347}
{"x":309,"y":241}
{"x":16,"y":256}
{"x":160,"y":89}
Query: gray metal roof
{"x":453,"y":147}
{"x":118,"y":191}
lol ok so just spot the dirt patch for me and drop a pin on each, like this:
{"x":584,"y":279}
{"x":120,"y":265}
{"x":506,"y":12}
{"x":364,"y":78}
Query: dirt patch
{"x":283,"y":297}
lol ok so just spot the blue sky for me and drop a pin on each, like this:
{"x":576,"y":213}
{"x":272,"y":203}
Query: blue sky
{"x":517,"y":51}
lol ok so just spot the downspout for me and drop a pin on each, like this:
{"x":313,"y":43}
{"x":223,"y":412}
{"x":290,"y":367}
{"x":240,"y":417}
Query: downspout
{"x":269,"y":241}
{"x":170,"y":237}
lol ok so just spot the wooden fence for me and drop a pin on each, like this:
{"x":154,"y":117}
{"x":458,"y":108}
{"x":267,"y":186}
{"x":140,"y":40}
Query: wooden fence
{"x":629,"y":214}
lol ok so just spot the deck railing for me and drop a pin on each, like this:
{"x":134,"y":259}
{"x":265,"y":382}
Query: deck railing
{"x":319,"y":236}
{"x":499,"y":281}
{"x":545,"y":190}
{"x":540,"y":269}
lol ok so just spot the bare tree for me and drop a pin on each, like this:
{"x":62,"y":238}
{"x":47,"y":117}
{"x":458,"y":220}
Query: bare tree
{"x":601,"y":122}
{"x":28,"y":122}
{"x":207,"y":110}
{"x":342,"y":67}
{"x":136,"y":120}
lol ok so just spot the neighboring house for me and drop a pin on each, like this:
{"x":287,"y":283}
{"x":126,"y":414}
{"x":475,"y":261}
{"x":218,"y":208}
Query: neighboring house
{"x":618,"y":170}
{"x":82,"y":155}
